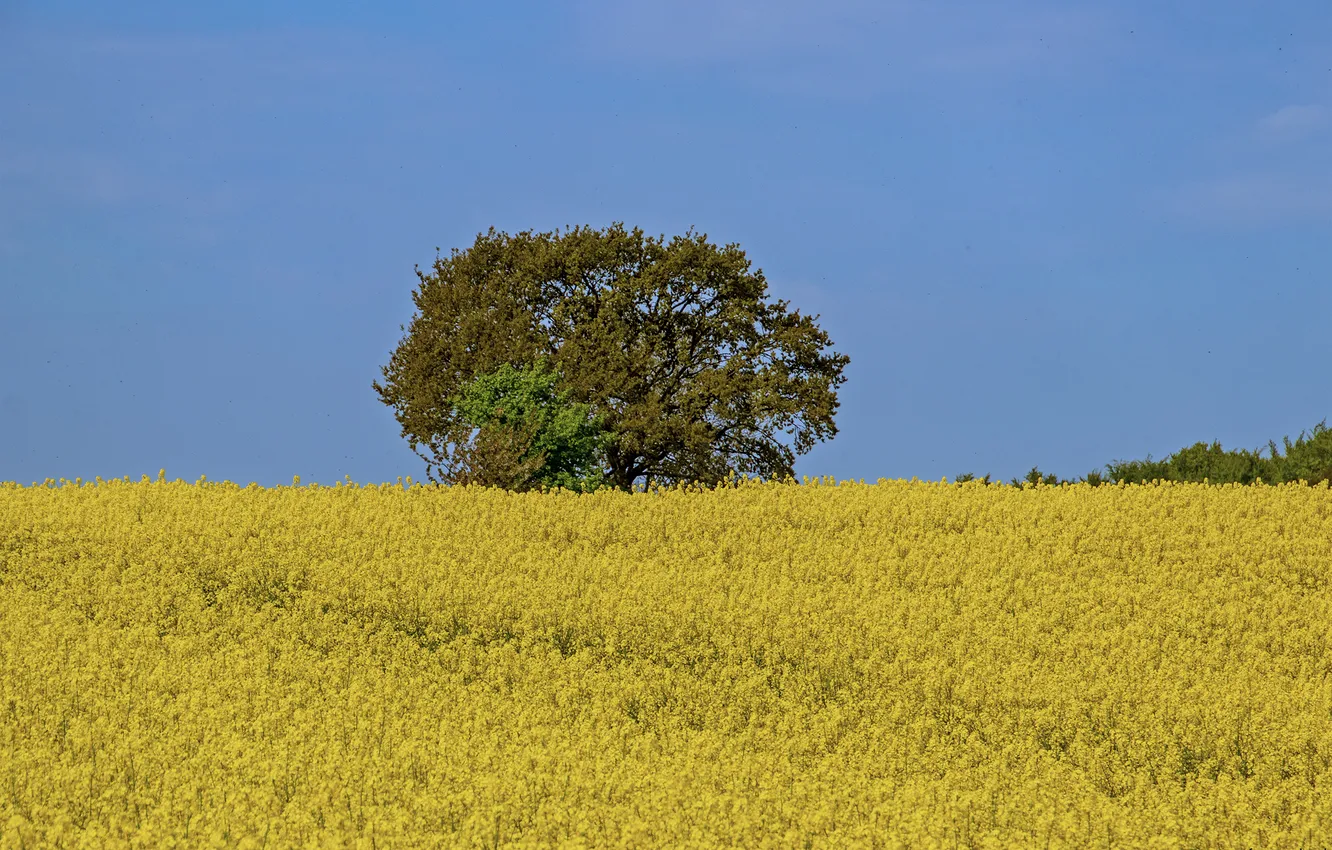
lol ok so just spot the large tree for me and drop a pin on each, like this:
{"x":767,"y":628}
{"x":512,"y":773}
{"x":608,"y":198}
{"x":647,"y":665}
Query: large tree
{"x":529,"y":435}
{"x":672,"y":346}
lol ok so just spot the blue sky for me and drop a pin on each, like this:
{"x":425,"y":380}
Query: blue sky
{"x":1053,"y":233}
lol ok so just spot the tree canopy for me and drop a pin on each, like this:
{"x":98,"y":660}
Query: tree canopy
{"x":529,"y":434}
{"x":672,"y":347}
{"x":1308,"y":460}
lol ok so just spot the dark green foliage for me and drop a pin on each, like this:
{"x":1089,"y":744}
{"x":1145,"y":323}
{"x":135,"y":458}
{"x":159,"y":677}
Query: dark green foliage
{"x":534,"y":437}
{"x":672,"y":346}
{"x":1036,"y":477}
{"x":1308,"y":460}
{"x":1195,"y":463}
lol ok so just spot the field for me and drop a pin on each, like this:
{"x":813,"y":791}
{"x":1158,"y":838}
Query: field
{"x":905,"y":664}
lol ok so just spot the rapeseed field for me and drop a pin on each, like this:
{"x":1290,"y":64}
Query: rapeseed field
{"x":905,"y":664}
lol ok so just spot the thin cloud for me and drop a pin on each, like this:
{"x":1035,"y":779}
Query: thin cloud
{"x":1294,"y":123}
{"x":228,"y":74}
{"x":296,"y":54}
{"x":12,"y":14}
{"x":87,"y":177}
{"x":1253,"y":199}
{"x":99,"y":181}
{"x":697,"y":30}
{"x":999,"y":43}
{"x":845,"y":44}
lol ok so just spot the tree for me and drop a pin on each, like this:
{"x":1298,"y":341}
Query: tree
{"x":1309,"y":460}
{"x":672,"y":346}
{"x":1035,"y":476}
{"x":530,"y":435}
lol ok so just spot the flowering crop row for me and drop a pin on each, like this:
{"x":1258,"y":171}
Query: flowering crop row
{"x":905,"y":664}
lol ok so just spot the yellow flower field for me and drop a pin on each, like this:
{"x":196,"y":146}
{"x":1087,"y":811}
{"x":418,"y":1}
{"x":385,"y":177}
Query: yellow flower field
{"x":906,"y":664}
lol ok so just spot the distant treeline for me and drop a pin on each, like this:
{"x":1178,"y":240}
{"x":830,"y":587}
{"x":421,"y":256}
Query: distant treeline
{"x":1308,"y":460}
